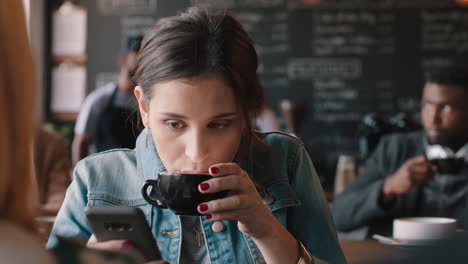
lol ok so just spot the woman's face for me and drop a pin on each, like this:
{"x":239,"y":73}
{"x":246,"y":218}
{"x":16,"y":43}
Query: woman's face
{"x":195,"y":122}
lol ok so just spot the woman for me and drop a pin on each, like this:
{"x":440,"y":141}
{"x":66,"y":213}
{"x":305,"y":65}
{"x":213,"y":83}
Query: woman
{"x":198,"y":92}
{"x":19,"y":239}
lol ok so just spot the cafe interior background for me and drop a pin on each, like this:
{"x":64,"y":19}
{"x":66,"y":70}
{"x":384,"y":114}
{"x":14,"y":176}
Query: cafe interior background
{"x":338,"y":74}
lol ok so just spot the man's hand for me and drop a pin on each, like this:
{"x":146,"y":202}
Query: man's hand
{"x":410,"y":175}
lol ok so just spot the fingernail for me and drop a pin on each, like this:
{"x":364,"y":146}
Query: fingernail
{"x":214,"y":170}
{"x":126,"y":244}
{"x":204,"y":186}
{"x":208,"y":216}
{"x":203,"y":207}
{"x":166,"y":262}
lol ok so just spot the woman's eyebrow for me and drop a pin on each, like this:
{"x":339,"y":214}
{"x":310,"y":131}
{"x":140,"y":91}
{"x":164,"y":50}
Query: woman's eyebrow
{"x":173,"y":115}
{"x":224,"y":115}
{"x":184,"y":117}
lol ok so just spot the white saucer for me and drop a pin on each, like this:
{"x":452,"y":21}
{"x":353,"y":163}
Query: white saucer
{"x":411,"y":243}
{"x":459,"y":234}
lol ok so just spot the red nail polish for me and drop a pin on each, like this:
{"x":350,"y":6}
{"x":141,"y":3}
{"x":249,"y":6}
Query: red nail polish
{"x":166,"y":262}
{"x":203,"y":207}
{"x":126,"y":244}
{"x":204,"y":186}
{"x":208,"y":216}
{"x":214,"y":170}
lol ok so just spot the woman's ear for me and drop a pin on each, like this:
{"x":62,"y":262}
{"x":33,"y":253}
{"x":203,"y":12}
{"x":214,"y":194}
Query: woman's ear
{"x":142,"y":105}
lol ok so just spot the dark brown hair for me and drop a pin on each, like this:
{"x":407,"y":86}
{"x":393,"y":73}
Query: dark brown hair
{"x":199,"y":41}
{"x":18,"y":186}
{"x":455,"y":73}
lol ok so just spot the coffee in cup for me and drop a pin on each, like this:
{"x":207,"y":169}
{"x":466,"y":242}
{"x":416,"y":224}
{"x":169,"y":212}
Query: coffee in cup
{"x":179,"y":192}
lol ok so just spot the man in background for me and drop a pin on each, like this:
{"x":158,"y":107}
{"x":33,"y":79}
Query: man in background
{"x":108,"y":116}
{"x":400,"y":180}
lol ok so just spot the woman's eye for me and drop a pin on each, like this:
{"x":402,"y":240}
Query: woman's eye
{"x":220,"y":124}
{"x":174,"y":124}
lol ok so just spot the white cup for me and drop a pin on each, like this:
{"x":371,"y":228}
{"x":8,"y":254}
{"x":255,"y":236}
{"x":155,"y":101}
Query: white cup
{"x":423,"y":228}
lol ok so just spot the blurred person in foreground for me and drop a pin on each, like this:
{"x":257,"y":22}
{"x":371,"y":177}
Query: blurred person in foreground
{"x":400,"y":178}
{"x":108,"y":117}
{"x":19,"y":241}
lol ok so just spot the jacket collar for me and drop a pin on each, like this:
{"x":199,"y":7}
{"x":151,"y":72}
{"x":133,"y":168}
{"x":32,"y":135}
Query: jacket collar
{"x":257,"y":162}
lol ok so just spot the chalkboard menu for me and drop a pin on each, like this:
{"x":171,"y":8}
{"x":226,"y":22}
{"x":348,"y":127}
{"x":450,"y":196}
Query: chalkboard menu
{"x":344,"y":58}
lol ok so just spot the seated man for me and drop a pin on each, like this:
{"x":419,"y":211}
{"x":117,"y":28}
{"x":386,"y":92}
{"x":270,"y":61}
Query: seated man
{"x":399,"y":180}
{"x":108,"y":116}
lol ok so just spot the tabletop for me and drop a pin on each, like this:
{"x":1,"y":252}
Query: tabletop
{"x":372,"y":251}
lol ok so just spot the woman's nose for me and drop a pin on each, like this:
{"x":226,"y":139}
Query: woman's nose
{"x":196,"y":148}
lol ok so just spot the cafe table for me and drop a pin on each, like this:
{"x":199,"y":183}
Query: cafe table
{"x":372,"y":251}
{"x":452,"y":251}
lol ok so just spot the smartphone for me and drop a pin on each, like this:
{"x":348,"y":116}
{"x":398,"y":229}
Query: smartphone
{"x":123,"y":223}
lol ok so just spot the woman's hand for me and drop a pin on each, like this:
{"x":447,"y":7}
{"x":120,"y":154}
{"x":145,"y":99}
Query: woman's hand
{"x":123,"y":246}
{"x":112,"y":245}
{"x":244,"y":204}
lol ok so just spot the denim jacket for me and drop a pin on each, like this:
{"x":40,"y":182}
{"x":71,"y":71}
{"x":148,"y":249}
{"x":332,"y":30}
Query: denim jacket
{"x":115,"y":177}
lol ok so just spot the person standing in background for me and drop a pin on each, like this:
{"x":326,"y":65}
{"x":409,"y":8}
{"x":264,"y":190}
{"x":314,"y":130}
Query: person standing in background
{"x":267,"y":121}
{"x":108,"y":118}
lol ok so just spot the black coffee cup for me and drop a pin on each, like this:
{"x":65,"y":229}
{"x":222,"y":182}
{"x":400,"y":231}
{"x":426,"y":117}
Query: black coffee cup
{"x":448,"y":165}
{"x":179,"y":192}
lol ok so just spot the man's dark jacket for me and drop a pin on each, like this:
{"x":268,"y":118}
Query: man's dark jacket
{"x":358,"y":206}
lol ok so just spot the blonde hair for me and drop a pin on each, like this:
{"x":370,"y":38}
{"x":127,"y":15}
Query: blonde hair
{"x":17,"y":102}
